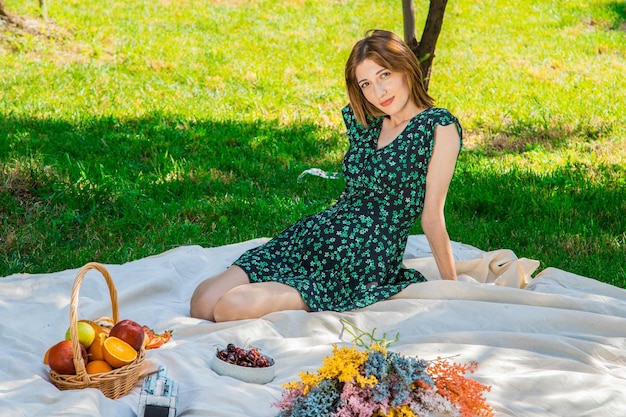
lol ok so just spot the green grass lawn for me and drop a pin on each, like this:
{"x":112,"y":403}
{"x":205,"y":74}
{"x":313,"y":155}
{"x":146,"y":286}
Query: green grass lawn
{"x":152,"y":125}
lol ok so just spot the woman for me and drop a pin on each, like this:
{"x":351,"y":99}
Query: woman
{"x":399,"y":165}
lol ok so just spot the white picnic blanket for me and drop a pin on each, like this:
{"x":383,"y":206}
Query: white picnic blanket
{"x":552,"y":345}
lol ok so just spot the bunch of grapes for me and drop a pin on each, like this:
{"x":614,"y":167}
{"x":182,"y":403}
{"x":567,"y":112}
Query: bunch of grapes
{"x":249,"y":358}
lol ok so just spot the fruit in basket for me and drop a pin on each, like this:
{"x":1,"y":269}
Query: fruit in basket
{"x":86,"y":334}
{"x":117,"y":352}
{"x":130,"y":332}
{"x":61,"y":357}
{"x":98,"y":367}
{"x":96,"y":350}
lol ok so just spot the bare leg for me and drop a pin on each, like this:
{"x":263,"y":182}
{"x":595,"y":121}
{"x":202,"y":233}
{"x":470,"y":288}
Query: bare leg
{"x":209,"y":291}
{"x":231,"y":296}
{"x":257,"y":299}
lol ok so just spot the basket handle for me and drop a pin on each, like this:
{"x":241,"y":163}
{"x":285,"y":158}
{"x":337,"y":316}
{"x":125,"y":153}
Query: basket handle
{"x":79,"y":364}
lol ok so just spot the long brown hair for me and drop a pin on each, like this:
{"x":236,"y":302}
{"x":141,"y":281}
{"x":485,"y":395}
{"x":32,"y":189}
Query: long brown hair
{"x":389,"y":51}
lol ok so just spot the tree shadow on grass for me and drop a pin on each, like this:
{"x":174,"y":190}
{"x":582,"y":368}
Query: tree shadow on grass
{"x":162,"y":152}
{"x":107,"y":139}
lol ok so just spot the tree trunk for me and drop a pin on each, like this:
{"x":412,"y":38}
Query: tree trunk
{"x":424,"y":49}
{"x":8,"y":17}
{"x":44,"y":9}
{"x":3,"y":10}
{"x":408,"y":15}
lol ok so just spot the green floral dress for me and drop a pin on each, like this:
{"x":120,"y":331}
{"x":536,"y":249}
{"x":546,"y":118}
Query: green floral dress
{"x":350,"y":255}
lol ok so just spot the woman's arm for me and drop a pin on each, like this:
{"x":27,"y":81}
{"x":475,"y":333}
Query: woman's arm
{"x":440,"y":169}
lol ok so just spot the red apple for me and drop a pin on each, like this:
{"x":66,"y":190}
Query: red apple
{"x":61,"y":358}
{"x":130,"y":332}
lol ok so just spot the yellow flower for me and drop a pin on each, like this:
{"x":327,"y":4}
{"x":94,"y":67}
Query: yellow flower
{"x":378,"y":347}
{"x":292,"y":385}
{"x":345,"y":364}
{"x":309,"y":380}
{"x":404,"y":411}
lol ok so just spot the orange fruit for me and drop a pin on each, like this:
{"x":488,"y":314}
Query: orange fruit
{"x":98,"y":367}
{"x":96,"y":350}
{"x":117,"y":352}
{"x":46,"y":356}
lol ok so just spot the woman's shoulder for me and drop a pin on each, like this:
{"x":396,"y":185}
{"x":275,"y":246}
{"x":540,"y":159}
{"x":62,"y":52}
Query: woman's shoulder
{"x":440,"y":116}
{"x":352,"y":123}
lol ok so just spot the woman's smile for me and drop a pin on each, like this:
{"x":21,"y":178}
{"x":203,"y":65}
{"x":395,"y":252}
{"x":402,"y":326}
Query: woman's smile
{"x":386,"y":102}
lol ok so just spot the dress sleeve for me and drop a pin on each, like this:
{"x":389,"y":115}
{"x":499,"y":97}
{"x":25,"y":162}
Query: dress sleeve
{"x":351,"y":124}
{"x":357,"y":134}
{"x":443,"y":117}
{"x":348,"y":117}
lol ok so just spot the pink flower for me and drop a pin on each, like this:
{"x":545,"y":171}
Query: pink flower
{"x":289,"y":397}
{"x":356,"y":402}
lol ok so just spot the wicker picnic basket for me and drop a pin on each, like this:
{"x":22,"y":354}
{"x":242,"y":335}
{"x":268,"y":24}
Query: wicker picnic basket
{"x":113,"y":384}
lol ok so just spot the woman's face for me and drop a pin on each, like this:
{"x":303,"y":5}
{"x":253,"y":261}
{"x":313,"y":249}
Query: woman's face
{"x":387,"y":90}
